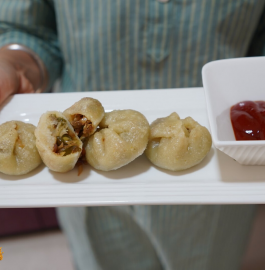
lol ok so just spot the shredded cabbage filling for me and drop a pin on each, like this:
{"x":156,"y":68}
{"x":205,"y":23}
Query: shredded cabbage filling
{"x":65,"y":141}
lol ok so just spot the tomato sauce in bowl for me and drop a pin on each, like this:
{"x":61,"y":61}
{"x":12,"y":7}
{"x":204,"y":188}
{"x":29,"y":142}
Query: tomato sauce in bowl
{"x":248,"y":120}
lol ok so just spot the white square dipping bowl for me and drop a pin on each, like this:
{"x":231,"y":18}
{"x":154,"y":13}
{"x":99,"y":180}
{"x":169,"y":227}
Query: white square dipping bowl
{"x":227,"y":82}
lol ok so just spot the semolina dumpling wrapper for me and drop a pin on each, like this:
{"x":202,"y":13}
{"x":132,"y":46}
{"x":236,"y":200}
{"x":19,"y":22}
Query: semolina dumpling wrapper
{"x":122,"y":136}
{"x":18,"y":152}
{"x":177,"y":144}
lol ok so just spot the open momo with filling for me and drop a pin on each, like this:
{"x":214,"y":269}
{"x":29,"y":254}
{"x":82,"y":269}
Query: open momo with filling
{"x":85,"y":116}
{"x":177,"y":144}
{"x":57,"y":142}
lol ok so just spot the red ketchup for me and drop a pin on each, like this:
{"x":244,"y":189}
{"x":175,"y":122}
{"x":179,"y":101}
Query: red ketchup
{"x":248,"y":120}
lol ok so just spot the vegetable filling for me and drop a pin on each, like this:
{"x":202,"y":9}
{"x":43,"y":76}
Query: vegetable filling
{"x":82,"y":126}
{"x":65,"y":141}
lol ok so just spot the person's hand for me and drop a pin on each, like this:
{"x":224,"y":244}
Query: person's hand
{"x":18,"y":74}
{"x":12,"y":81}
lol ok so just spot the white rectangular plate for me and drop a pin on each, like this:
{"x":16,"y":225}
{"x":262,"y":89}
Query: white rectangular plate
{"x":218,"y":179}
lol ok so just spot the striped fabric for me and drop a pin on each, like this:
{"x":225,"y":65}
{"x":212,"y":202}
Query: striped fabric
{"x":100,"y":45}
{"x":211,"y":237}
{"x":130,"y":44}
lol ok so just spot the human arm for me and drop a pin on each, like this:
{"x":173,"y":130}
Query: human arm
{"x":37,"y":65}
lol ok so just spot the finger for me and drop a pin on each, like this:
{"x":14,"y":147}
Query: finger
{"x":4,"y":94}
{"x":9,"y":82}
{"x":8,"y":86}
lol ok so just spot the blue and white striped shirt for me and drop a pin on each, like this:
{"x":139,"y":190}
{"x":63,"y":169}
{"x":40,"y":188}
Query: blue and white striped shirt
{"x":134,"y":44}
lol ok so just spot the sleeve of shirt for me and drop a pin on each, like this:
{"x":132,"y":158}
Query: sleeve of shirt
{"x":257,"y":45}
{"x":32,"y":23}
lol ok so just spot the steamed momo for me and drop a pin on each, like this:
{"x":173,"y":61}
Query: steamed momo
{"x":85,"y":116}
{"x":177,"y":144}
{"x":18,"y":152}
{"x":57,"y":142}
{"x":122,"y":137}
